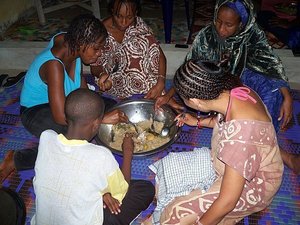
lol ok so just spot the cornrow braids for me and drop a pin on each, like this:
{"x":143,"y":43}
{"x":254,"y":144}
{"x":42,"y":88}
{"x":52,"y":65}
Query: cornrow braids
{"x":84,"y":30}
{"x":203,"y":80}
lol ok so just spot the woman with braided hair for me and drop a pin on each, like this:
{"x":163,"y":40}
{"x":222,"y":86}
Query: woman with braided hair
{"x":235,"y":36}
{"x":53,"y":74}
{"x":244,"y":148}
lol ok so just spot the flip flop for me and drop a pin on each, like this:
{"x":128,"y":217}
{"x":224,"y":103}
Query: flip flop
{"x":12,"y":81}
{"x":3,"y":78}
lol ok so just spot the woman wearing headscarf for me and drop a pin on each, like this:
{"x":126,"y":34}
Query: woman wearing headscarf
{"x":235,"y":40}
{"x":235,"y":36}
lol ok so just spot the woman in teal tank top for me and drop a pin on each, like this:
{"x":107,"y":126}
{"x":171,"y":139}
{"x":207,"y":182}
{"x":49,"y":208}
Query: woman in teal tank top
{"x":53,"y":74}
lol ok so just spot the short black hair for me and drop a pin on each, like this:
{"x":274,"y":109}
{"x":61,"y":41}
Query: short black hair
{"x":136,"y":5}
{"x":83,"y":105}
{"x":84,"y":30}
{"x":202,"y":79}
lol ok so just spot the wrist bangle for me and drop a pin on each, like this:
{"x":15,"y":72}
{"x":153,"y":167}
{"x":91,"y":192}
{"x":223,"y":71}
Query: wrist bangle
{"x":161,"y":76}
{"x":100,"y":74}
{"x":198,"y":120}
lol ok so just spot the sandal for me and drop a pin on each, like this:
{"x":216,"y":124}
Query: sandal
{"x":12,"y":81}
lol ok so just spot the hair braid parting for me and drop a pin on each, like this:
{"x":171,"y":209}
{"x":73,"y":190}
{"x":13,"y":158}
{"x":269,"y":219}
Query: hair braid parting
{"x":203,"y":80}
{"x":84,"y":30}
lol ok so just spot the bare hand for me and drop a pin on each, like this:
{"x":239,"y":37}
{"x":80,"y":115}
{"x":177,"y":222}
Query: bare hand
{"x":286,"y":111}
{"x":112,"y":203}
{"x":186,"y":118}
{"x":155,"y":91}
{"x":128,"y":145}
{"x":160,"y":101}
{"x":114,"y":117}
{"x":104,"y":82}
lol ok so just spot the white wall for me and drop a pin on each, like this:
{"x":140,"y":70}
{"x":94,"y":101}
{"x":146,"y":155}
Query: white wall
{"x":11,"y":10}
{"x":19,"y":55}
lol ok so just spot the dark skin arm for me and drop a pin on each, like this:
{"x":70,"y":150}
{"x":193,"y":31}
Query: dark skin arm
{"x":286,"y":108}
{"x":127,"y":148}
{"x":52,"y":73}
{"x":157,"y":89}
{"x":112,"y":203}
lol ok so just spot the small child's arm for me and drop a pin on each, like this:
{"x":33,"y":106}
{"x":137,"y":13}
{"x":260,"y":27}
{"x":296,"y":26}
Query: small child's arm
{"x":112,"y":203}
{"x":127,"y":148}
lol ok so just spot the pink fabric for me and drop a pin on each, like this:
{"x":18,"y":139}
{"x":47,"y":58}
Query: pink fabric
{"x":250,"y":147}
{"x":241,"y":93}
{"x":137,"y":58}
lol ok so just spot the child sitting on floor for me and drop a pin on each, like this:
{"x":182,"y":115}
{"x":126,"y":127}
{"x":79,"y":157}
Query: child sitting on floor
{"x":75,"y":179}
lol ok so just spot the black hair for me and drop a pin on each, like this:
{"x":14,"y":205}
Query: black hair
{"x":203,"y":80}
{"x":83,"y":105}
{"x":135,"y":6}
{"x":84,"y":30}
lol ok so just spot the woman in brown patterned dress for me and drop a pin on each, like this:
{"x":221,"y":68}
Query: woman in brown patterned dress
{"x":133,"y":62}
{"x":244,"y":148}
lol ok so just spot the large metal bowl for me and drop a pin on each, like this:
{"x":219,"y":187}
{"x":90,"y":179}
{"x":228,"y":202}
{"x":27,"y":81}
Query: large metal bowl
{"x":137,"y":111}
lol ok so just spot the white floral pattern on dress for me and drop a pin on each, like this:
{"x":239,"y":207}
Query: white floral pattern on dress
{"x":137,"y":60}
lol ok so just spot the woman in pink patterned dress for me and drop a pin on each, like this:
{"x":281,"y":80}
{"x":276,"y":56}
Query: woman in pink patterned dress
{"x":244,"y":148}
{"x":133,"y":62}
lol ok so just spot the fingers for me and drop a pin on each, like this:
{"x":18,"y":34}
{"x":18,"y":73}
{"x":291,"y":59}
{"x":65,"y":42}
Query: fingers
{"x":111,"y":203}
{"x":180,"y":119}
{"x":286,"y":121}
{"x":114,"y":206}
{"x":123,"y":117}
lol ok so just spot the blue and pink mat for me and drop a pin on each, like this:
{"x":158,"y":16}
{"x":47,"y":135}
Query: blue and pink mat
{"x":285,"y":208}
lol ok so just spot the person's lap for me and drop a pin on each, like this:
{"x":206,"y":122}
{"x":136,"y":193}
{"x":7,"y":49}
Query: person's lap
{"x":139,"y":196}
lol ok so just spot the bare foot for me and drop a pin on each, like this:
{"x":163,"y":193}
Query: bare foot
{"x":7,"y":166}
{"x":292,"y":161}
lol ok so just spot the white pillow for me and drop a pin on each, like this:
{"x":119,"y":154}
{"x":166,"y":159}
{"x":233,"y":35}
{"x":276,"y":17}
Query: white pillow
{"x":179,"y":173}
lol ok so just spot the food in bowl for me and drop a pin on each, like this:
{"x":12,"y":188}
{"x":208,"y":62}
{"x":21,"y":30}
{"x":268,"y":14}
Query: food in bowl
{"x":145,"y":135}
{"x":138,"y":111}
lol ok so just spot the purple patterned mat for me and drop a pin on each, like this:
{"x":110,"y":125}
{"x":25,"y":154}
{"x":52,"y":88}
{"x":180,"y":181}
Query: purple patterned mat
{"x":285,"y":208}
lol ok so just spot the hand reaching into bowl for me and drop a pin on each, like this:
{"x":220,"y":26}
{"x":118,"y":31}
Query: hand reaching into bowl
{"x":186,"y":118}
{"x":114,"y":117}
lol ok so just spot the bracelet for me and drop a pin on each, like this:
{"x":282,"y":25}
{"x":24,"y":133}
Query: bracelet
{"x":100,"y":74}
{"x":198,"y":120}
{"x":162,"y":76}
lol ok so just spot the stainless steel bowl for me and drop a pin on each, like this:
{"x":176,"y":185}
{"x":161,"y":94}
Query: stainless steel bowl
{"x":137,"y":111}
